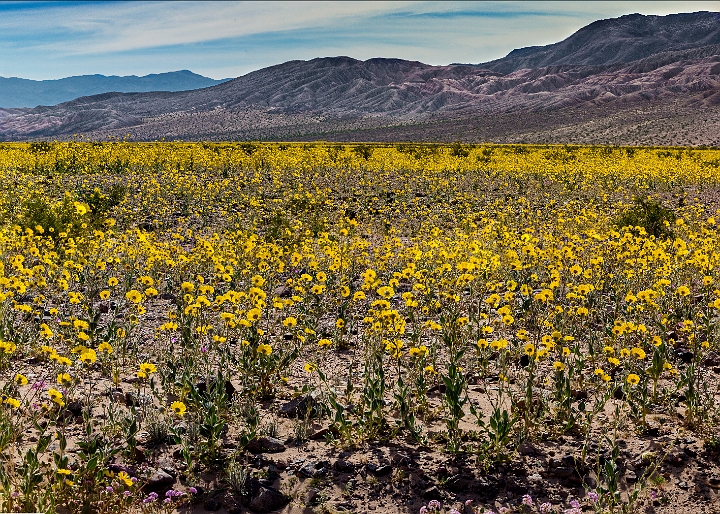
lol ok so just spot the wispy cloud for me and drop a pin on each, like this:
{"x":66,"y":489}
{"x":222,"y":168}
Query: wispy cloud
{"x":222,"y":39}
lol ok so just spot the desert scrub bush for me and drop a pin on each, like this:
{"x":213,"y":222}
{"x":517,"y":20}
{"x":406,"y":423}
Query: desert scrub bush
{"x":650,"y":215}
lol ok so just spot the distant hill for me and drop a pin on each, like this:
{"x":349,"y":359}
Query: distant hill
{"x":629,"y":80}
{"x":18,"y":92}
{"x":618,"y":40}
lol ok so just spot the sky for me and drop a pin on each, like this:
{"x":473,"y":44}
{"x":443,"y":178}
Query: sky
{"x":47,"y":40}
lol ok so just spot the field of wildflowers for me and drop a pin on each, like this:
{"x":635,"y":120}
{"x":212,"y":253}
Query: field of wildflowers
{"x":194,"y":327}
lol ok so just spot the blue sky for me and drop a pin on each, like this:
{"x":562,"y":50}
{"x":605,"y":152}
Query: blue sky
{"x":44,"y":40}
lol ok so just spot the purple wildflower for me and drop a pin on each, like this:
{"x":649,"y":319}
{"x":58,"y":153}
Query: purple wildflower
{"x":192,"y":490}
{"x":527,"y":500}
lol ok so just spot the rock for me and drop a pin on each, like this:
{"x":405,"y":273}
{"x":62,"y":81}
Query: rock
{"x":212,"y":505}
{"x":714,"y":482}
{"x":311,"y":495}
{"x":75,"y":407}
{"x":158,"y":480}
{"x":133,"y":399}
{"x":458,"y":483}
{"x":432,"y":493}
{"x":568,"y":460}
{"x":712,"y":359}
{"x":313,"y":469}
{"x":202,"y":388}
{"x":675,"y":458}
{"x":379,"y":470}
{"x":589,"y":482}
{"x":323,"y":433}
{"x":526,"y":448}
{"x":631,"y":477}
{"x":344,"y":466}
{"x":265,"y":444}
{"x":283,"y":291}
{"x":298,"y":407}
{"x":685,"y":355}
{"x":403,"y":460}
{"x":683,"y":485}
{"x":267,"y":499}
{"x":563,"y":471}
{"x":117,"y":468}
{"x":117,"y":395}
{"x":579,"y":394}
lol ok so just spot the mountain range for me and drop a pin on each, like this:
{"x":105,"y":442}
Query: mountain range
{"x":630,"y":80}
{"x":17,"y":92}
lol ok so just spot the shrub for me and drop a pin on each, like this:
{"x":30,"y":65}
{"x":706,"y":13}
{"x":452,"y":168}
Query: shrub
{"x":650,"y":215}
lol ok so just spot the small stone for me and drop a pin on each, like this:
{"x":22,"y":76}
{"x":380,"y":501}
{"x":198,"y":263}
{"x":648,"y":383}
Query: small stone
{"x":313,"y":469}
{"x":265,"y":444}
{"x":159,"y":479}
{"x":402,"y":460}
{"x":714,"y":482}
{"x":526,"y":448}
{"x":589,"y":482}
{"x":379,"y":470}
{"x":344,"y":466}
{"x":712,"y":359}
{"x":683,"y":485}
{"x":563,"y":471}
{"x":267,"y":499}
{"x":311,"y":495}
{"x":117,"y":468}
{"x":202,"y":388}
{"x":132,"y":399}
{"x":75,"y":407}
{"x":283,"y":291}
{"x":631,"y":477}
{"x":297,"y":407}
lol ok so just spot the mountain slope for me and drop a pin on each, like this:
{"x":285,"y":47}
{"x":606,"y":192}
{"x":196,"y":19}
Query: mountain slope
{"x":341,"y":97}
{"x":618,"y":40}
{"x":18,"y":92}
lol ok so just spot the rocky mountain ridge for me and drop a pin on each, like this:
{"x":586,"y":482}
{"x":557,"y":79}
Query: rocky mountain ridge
{"x":674,"y":70}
